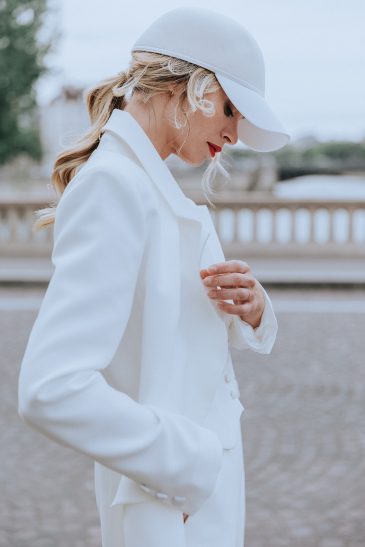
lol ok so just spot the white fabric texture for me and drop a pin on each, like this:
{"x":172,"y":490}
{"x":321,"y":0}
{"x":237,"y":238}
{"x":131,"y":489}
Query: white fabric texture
{"x":219,"y":523}
{"x":126,"y":358}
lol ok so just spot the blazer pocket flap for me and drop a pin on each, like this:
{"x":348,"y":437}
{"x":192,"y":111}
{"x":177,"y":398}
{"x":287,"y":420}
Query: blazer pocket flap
{"x":129,"y":491}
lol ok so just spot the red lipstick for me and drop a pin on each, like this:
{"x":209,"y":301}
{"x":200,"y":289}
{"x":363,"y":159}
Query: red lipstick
{"x":213,"y":148}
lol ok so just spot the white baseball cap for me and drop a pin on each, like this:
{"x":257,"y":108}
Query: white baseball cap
{"x":219,"y":43}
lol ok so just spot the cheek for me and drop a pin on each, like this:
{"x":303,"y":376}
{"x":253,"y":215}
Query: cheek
{"x":201,"y":130}
{"x":195,"y":143}
{"x":202,"y":127}
{"x":201,"y":137}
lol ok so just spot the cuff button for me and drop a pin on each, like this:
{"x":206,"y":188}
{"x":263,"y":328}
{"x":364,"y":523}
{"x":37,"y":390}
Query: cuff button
{"x":178,"y":500}
{"x":144,"y":487}
{"x":161,"y":496}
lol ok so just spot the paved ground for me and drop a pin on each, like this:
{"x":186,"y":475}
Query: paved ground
{"x":303,"y":428}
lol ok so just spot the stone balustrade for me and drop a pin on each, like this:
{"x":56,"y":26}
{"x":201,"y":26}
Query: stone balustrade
{"x":249,"y":223}
{"x":17,"y":235}
{"x":259,"y":224}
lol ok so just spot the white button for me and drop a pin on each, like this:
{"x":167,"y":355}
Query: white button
{"x":227,"y":377}
{"x":178,"y":499}
{"x":144,"y":487}
{"x":161,"y":496}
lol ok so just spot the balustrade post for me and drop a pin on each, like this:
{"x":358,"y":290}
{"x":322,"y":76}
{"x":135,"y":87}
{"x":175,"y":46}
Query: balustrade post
{"x":235,"y":237}
{"x":292,"y":211}
{"x":312,"y":219}
{"x":274,"y":220}
{"x":350,"y":219}
{"x":11,"y":219}
{"x":331,"y":222}
{"x":254,"y":209}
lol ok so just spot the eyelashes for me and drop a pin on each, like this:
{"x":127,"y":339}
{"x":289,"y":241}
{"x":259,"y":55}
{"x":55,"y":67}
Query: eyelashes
{"x":227,"y":110}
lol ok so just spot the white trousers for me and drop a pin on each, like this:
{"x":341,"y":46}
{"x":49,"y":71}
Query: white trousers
{"x":219,"y":523}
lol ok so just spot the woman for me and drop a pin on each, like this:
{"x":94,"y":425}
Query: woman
{"x":128,"y":360}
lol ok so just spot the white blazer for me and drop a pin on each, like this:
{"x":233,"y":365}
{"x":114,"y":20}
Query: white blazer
{"x":127,"y":350}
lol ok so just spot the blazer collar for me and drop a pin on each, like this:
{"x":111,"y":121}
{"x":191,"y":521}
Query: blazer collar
{"x":125,"y":127}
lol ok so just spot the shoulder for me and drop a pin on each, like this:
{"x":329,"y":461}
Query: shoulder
{"x":117,"y":177}
{"x":105,"y":198}
{"x":120,"y":166}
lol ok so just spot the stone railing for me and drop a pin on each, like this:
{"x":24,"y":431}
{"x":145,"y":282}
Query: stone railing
{"x":17,"y":237}
{"x":249,"y":224}
{"x":255,"y":224}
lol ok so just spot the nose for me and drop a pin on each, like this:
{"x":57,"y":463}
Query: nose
{"x":230,"y":134}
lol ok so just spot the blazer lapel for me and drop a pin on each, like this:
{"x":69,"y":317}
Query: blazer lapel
{"x":195,"y":227}
{"x":125,"y":126}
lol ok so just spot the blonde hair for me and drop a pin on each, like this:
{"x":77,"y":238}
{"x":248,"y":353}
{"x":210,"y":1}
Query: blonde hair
{"x":148,"y":74}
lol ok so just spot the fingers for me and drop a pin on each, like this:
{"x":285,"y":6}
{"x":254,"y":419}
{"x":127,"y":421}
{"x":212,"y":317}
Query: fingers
{"x":244,"y":309}
{"x":230,"y":280}
{"x":227,"y":267}
{"x":238,"y":295}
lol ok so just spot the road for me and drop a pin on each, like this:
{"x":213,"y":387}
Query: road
{"x":303,"y":434}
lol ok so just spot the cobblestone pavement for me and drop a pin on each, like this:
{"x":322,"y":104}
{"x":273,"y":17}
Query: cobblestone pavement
{"x":303,"y":430}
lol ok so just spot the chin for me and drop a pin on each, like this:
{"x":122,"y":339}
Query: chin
{"x":196,"y":162}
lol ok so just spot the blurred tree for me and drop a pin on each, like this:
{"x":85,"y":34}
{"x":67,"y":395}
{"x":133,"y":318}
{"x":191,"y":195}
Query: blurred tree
{"x":21,"y":64}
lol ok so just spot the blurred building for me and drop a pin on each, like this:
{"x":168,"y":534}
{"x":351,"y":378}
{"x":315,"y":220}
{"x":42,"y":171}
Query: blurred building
{"x":62,"y":121}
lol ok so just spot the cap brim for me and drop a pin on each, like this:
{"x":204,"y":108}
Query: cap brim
{"x":260,"y":130}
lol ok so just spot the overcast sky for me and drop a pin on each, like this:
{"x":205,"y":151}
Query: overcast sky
{"x":314,"y":53}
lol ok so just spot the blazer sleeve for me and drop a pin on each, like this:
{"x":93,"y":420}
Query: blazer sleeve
{"x":100,"y":235}
{"x":243,"y":336}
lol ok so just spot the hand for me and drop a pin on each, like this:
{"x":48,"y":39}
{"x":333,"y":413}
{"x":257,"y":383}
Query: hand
{"x":236,"y":282}
{"x":185,"y":517}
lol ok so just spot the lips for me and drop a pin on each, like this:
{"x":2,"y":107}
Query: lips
{"x":215,"y":147}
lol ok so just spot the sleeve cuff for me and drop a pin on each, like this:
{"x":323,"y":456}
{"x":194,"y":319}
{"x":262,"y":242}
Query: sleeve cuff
{"x":261,"y":339}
